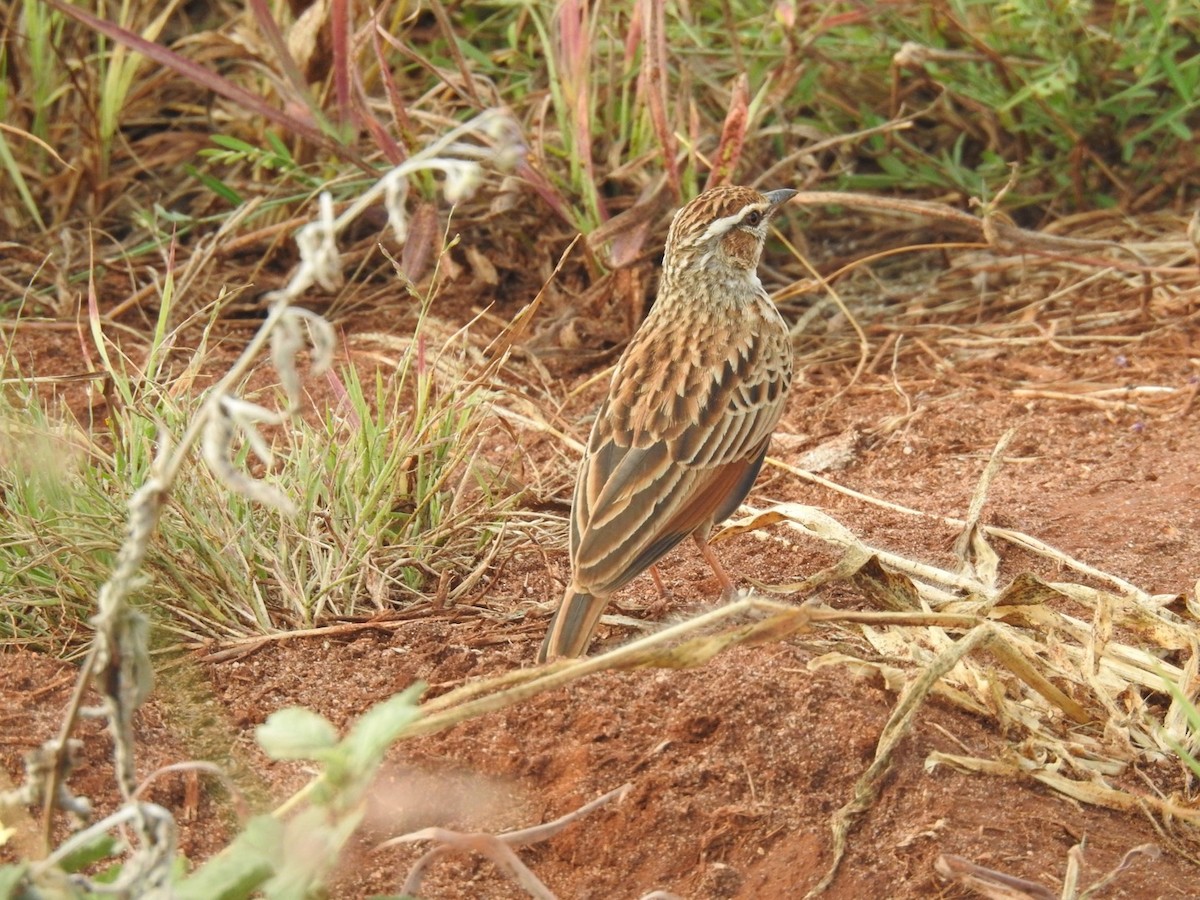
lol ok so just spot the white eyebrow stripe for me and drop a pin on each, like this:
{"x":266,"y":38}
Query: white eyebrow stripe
{"x":722,"y":225}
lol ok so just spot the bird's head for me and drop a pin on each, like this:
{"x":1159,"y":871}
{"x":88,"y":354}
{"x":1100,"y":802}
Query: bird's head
{"x":723,"y":229}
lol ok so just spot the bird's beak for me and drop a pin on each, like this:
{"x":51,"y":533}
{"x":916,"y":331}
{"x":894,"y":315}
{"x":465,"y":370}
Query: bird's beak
{"x":779,"y":197}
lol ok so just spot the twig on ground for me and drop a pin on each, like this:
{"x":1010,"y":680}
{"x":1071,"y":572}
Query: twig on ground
{"x":498,"y":848}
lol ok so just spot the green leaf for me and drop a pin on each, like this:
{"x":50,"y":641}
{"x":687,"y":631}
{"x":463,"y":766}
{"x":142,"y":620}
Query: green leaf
{"x":380,"y":726}
{"x":241,"y":868}
{"x":313,"y":843}
{"x":100,"y":847}
{"x":280,"y":148}
{"x":296,"y":733}
{"x":232,"y":143}
{"x":10,"y":878}
{"x":218,"y":187}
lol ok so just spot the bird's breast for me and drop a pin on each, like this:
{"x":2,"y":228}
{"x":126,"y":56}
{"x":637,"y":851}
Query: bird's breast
{"x":681,"y":371}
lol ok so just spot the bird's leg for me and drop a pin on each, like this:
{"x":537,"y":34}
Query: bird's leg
{"x":656,"y":608}
{"x":728,"y":588}
{"x":663,"y":593}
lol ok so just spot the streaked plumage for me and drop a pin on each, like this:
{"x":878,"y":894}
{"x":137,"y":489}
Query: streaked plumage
{"x":694,"y":399}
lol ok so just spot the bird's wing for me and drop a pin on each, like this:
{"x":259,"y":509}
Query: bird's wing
{"x":676,"y":447}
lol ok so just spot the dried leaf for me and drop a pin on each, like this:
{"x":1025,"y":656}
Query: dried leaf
{"x":653,"y":84}
{"x":303,"y":36}
{"x":1025,"y":669}
{"x":481,"y":266}
{"x":1028,"y":590}
{"x":831,"y":455}
{"x":419,"y":244}
{"x":988,"y":882}
{"x":733,"y":134}
{"x":889,"y":590}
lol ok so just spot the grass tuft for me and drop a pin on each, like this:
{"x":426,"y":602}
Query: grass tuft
{"x":393,"y":498}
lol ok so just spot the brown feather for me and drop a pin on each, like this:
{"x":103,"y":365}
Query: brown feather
{"x":571,"y":628}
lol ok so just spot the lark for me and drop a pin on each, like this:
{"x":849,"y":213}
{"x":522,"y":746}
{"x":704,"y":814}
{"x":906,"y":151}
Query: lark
{"x":694,"y":399}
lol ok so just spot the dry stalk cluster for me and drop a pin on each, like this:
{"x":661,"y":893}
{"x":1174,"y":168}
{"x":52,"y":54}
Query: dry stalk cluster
{"x":976,"y":285}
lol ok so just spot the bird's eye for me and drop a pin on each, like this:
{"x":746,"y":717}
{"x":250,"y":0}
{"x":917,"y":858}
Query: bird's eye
{"x":753,"y":218}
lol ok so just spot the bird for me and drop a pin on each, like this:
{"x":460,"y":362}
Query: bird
{"x":682,"y":433}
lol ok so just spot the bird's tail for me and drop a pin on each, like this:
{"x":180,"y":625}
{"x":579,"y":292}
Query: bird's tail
{"x":572,"y":626}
